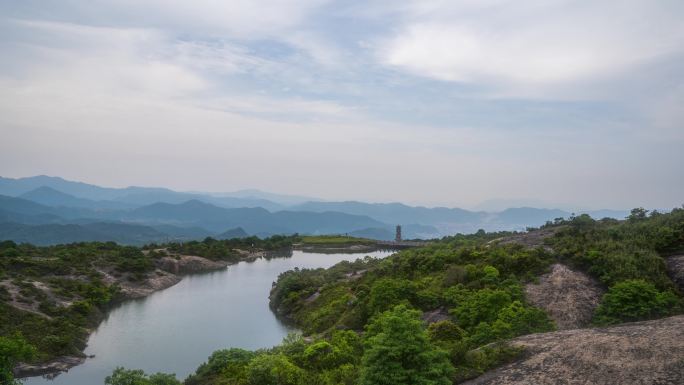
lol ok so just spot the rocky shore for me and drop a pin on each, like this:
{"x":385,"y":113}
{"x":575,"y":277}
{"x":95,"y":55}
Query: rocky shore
{"x":649,"y":352}
{"x":168,"y":272}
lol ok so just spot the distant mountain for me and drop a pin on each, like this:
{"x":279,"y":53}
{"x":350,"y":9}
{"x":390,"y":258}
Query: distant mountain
{"x":184,"y":232}
{"x":15,"y":187}
{"x":380,"y":234}
{"x":281,"y":199}
{"x":47,"y":189}
{"x":33,"y":211}
{"x":396,"y":213}
{"x":23,"y":206}
{"x":50,"y":234}
{"x":48,"y":196}
{"x":52,"y":200}
{"x":237,"y":232}
{"x":252,"y":220}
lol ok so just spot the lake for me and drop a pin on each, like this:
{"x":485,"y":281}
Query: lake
{"x":176,"y":329}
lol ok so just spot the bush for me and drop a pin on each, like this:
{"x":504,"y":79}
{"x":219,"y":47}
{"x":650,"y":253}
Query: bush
{"x":635,"y":300}
{"x":398,"y":352}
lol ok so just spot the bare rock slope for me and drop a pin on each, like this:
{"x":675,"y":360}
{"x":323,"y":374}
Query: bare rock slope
{"x":650,"y":352}
{"x":568,"y":296}
{"x":675,"y":266}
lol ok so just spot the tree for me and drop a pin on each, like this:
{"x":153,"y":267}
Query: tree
{"x":12,"y":350}
{"x":637,"y":214}
{"x":273,"y":369}
{"x":398,"y":352}
{"x":121,"y":376}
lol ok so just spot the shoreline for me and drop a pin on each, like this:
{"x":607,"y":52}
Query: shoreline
{"x":168,"y":272}
{"x":186,"y":265}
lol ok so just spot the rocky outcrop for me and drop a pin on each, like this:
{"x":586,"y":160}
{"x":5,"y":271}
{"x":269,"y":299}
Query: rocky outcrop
{"x":157,"y":280}
{"x":675,"y":267}
{"x":650,"y":352}
{"x":49,"y":369}
{"x":188,"y":264}
{"x":437,"y":315}
{"x":530,"y":239}
{"x":568,"y":296}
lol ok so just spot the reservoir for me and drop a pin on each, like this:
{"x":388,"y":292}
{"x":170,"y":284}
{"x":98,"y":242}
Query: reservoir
{"x":176,"y":329}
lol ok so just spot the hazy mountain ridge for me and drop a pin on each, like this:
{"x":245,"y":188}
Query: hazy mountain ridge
{"x":43,"y":200}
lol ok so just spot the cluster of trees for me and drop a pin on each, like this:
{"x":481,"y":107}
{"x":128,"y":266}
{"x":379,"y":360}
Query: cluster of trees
{"x":225,"y":249}
{"x":396,"y":349}
{"x":73,"y":275}
{"x":476,"y":286}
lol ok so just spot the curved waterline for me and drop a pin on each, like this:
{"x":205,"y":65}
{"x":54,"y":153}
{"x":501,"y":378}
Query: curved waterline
{"x":176,"y":329}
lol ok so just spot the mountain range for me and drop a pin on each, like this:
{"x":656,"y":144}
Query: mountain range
{"x":48,"y":210}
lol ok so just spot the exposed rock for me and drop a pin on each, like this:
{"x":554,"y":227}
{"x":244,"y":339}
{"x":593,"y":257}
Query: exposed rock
{"x":436,"y":315}
{"x":313,"y":296}
{"x":650,"y":352}
{"x":530,"y":239}
{"x":49,"y":369}
{"x":675,"y":266}
{"x":188,"y":264}
{"x":157,"y":280}
{"x":568,"y":296}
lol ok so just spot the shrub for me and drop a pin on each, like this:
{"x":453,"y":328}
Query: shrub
{"x":635,"y":300}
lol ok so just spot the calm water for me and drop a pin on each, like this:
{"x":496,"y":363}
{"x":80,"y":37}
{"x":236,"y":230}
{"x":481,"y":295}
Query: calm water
{"x":176,"y":329}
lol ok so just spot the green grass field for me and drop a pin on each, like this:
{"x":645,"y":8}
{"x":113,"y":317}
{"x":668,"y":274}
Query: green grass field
{"x":337,"y":240}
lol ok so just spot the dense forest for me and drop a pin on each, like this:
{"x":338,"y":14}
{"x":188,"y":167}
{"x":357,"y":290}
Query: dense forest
{"x":363,"y":322}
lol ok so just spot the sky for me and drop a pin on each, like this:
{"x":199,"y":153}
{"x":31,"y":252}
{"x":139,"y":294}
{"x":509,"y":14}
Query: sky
{"x":573,"y":104}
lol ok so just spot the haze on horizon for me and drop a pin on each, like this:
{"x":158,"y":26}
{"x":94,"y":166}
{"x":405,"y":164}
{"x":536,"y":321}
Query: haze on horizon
{"x":567,"y":103}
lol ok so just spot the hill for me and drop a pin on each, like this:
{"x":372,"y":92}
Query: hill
{"x":48,"y":196}
{"x":52,"y":234}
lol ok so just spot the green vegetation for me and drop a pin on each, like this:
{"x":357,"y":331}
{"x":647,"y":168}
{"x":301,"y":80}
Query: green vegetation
{"x":474,"y":287}
{"x":635,"y":300}
{"x":363,"y":319}
{"x":626,"y":256}
{"x":54,"y":295}
{"x":62,"y":288}
{"x":399,"y":352}
{"x":225,"y":250}
{"x":334,"y":240}
{"x":121,"y":376}
{"x":12,"y":350}
{"x":615,"y":251}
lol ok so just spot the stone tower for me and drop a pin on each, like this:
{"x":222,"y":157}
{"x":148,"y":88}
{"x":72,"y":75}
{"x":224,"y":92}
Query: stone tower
{"x":397,"y":238}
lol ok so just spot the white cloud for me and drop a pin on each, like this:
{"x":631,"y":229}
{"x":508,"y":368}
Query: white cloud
{"x":527,"y":46}
{"x":249,"y":19}
{"x":275,"y":95}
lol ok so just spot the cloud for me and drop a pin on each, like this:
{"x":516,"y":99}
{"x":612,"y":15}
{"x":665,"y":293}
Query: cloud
{"x":554,"y":100}
{"x":531,"y":46}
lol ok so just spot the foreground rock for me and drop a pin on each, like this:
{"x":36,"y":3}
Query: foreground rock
{"x":48,"y":369}
{"x":568,"y":296}
{"x":650,"y":352}
{"x":675,"y":267}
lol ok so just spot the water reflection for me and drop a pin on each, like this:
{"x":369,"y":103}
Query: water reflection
{"x":176,"y":329}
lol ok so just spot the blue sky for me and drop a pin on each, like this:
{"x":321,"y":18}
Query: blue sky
{"x":577,"y":104}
